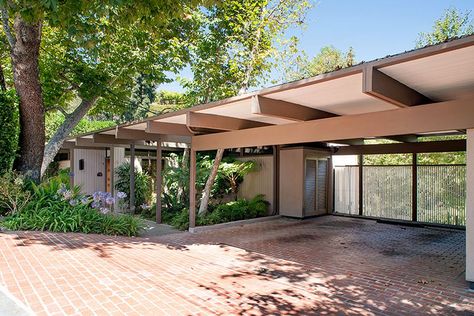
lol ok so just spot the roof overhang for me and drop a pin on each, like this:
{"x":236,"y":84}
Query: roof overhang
{"x":427,"y":90}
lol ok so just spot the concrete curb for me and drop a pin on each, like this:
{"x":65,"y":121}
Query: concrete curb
{"x":243,"y":222}
{"x":11,"y":306}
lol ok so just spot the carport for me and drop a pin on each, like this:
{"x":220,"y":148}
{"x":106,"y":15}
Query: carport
{"x":428,"y":91}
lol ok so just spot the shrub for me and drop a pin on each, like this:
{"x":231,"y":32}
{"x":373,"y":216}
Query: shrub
{"x":228,"y":212}
{"x":13,"y":195}
{"x":236,"y":210}
{"x":9,"y":129}
{"x":143,"y":188}
{"x":62,"y":217}
{"x":57,"y":208}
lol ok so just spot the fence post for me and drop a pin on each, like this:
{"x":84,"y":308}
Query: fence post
{"x":414,"y":188}
{"x":361,"y":192}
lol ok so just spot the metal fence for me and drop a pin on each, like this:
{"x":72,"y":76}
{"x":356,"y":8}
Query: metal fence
{"x":442,"y":194}
{"x":387,"y":192}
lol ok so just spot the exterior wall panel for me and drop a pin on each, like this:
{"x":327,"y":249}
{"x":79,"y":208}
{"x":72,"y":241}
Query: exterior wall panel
{"x":260,"y":181}
{"x":89,"y":179}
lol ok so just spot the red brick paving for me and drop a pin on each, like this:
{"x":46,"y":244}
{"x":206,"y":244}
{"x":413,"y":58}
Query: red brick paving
{"x":327,"y":265}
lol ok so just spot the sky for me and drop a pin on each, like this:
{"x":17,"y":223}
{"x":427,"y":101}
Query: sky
{"x":374,"y":29}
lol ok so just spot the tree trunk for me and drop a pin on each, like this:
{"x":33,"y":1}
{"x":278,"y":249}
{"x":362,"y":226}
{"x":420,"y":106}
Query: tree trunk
{"x":25,"y":55}
{"x":209,"y":183}
{"x":3,"y":85}
{"x":64,"y":130}
{"x":184,"y":167}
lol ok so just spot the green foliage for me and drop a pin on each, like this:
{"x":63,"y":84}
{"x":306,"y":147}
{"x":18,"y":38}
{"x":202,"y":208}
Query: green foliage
{"x":422,"y":158}
{"x":13,"y":194}
{"x":55,"y":119}
{"x":452,"y":24}
{"x":328,"y":59}
{"x":142,"y":96}
{"x":61,"y":217}
{"x":143,"y":188}
{"x":232,"y":172}
{"x":236,"y":44}
{"x":9,"y":129}
{"x":168,"y":101}
{"x":47,"y":210}
{"x":228,"y":212}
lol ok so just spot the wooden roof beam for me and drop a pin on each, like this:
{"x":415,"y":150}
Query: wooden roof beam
{"x":381,"y":86}
{"x":112,"y":140}
{"x":219,"y":122}
{"x":403,"y":148}
{"x":134,"y":134}
{"x":441,"y":116}
{"x":286,"y":110}
{"x":165,"y":128}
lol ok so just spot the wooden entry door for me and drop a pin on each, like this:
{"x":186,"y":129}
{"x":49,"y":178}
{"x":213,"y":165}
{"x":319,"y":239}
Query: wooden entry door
{"x":315,"y":187}
{"x":108,"y":176}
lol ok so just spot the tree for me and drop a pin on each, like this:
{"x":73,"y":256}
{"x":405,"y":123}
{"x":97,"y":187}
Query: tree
{"x":233,"y":172}
{"x":452,"y":24}
{"x":328,"y":59}
{"x":90,"y":50}
{"x":238,"y":43}
{"x":9,"y":129}
{"x":142,"y":96}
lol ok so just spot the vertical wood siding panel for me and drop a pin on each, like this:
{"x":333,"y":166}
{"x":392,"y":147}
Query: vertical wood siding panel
{"x":94,"y":163}
{"x":260,"y":181}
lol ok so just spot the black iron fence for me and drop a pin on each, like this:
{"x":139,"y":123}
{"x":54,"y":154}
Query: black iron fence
{"x":387,"y":192}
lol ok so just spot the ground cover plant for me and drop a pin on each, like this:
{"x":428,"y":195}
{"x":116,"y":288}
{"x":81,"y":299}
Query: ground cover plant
{"x":53,"y":206}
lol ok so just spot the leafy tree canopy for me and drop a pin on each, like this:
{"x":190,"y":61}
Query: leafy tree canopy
{"x":453,"y":23}
{"x":237,"y":44}
{"x":328,"y":59}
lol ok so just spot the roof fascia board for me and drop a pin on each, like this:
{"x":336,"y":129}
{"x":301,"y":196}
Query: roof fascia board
{"x":449,"y":115}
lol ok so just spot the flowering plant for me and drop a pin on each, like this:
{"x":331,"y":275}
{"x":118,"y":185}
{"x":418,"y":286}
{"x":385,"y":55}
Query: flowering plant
{"x":104,"y":201}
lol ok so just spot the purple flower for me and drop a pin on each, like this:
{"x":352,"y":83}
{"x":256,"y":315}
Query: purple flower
{"x":95,"y":204}
{"x":73,"y":202}
{"x":145,"y":206}
{"x":96,"y":196}
{"x":121,"y":195}
{"x":67,"y":195}
{"x":84,"y":200}
{"x":109,"y":200}
{"x":104,"y":210}
{"x":62,"y":189}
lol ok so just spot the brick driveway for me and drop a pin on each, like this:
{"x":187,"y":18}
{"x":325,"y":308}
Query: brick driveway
{"x":326,"y":265}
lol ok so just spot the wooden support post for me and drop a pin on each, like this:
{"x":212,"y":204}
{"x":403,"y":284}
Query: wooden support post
{"x":192,"y":190}
{"x":414,"y":188}
{"x":470,"y":208}
{"x":132,"y":179}
{"x":330,"y":187}
{"x":71,"y":167}
{"x":276,"y":179}
{"x":159,"y":181}
{"x":361,"y":188}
